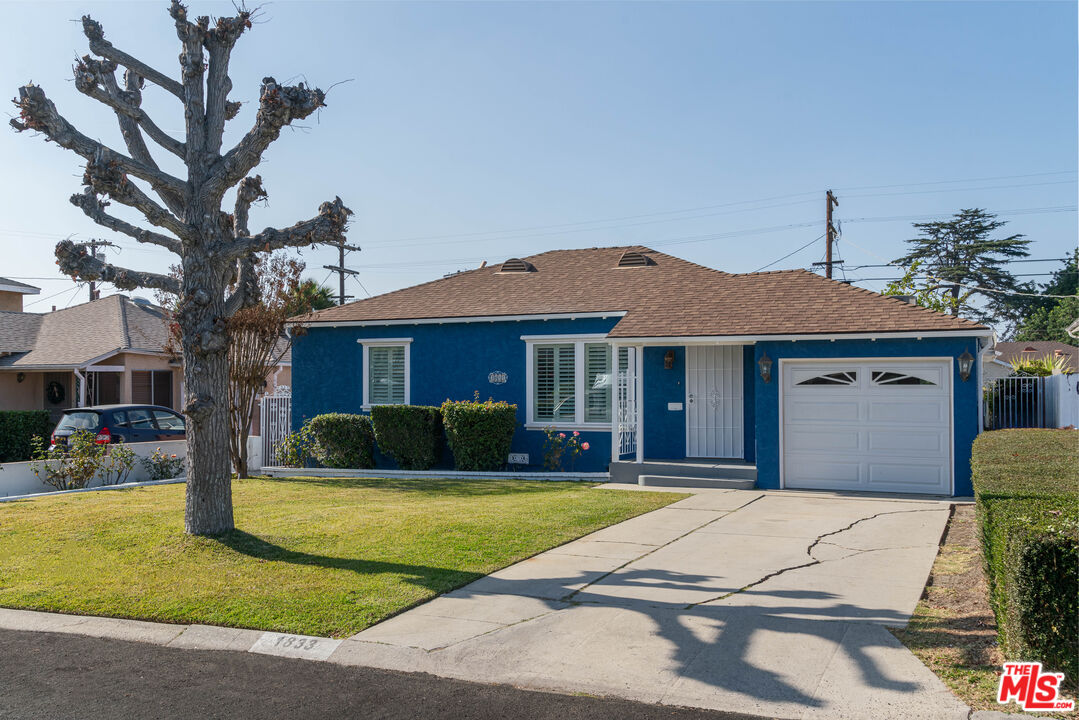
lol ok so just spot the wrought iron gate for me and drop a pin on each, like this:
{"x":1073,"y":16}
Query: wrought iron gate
{"x":1017,"y":402}
{"x":275,"y":422}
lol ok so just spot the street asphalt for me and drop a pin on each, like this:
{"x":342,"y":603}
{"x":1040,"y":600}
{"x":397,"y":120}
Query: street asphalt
{"x":60,"y":676}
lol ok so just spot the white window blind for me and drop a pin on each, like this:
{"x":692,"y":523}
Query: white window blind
{"x":555,"y":384}
{"x":386,"y":375}
{"x":597,"y":382}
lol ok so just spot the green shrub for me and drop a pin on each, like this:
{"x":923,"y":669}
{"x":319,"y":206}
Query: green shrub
{"x":410,"y":434}
{"x":1027,"y":488}
{"x":17,"y":429}
{"x":479,"y":433}
{"x":339,"y":440}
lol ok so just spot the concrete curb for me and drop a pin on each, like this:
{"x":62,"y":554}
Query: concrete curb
{"x":360,"y":474}
{"x":121,"y":486}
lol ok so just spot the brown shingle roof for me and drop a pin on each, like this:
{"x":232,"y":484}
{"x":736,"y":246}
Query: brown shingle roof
{"x":673,"y":298}
{"x":74,"y":336}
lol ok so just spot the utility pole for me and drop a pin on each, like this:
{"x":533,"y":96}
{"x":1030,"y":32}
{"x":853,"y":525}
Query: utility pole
{"x":94,"y":245}
{"x":830,"y":201}
{"x":341,"y":270}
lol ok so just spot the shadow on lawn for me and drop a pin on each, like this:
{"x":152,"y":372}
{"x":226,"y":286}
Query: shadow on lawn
{"x":429,"y":486}
{"x":432,"y":578}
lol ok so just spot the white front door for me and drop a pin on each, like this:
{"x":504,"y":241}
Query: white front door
{"x":714,"y":401}
{"x":879,"y":424}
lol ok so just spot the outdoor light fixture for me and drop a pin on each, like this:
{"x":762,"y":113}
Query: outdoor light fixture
{"x":966,"y":362}
{"x":20,"y":377}
{"x":668,"y":360}
{"x":765,"y":364}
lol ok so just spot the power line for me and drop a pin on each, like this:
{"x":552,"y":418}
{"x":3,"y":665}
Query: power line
{"x":49,"y":297}
{"x":966,"y":180}
{"x":789,"y":254}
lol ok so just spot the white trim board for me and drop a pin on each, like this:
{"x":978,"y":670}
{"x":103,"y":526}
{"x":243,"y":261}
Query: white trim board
{"x":831,"y":337}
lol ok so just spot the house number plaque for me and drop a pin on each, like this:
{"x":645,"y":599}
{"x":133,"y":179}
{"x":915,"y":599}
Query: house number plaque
{"x":498,"y":378}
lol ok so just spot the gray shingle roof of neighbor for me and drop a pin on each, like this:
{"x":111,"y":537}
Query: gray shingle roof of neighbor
{"x":1036,"y":349}
{"x":10,"y":285}
{"x":74,"y":336}
{"x":663,"y":296}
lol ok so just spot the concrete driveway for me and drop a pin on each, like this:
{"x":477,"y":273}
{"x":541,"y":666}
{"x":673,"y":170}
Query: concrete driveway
{"x":773,"y":603}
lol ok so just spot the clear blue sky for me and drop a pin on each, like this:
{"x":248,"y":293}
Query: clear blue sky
{"x":478,"y":131}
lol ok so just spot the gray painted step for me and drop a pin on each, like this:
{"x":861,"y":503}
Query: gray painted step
{"x":695,"y":482}
{"x":628,"y":472}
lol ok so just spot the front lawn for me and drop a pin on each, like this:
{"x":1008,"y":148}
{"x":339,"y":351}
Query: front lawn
{"x":314,"y":556}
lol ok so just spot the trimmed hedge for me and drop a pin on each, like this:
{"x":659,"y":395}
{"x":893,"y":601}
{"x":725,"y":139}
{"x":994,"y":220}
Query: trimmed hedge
{"x":340,"y":440}
{"x":17,"y":429}
{"x":479,"y":433}
{"x":410,"y":434}
{"x":1027,"y":487}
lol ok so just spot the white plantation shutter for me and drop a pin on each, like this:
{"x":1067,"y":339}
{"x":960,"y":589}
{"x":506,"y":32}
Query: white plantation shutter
{"x":386,"y":375}
{"x":554,"y":378}
{"x":597,"y":382}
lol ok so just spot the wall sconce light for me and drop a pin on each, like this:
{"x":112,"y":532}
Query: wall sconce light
{"x":668,"y":360}
{"x":765,"y":364}
{"x":966,"y":362}
{"x":20,"y":377}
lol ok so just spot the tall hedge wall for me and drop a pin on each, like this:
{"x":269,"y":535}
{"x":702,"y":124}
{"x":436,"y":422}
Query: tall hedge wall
{"x":1027,"y":487}
{"x":410,"y":434}
{"x":17,"y":427}
{"x":479,"y":433}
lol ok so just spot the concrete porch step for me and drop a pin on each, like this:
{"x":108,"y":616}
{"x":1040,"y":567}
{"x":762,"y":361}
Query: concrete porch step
{"x":629,"y":472}
{"x":695,"y":482}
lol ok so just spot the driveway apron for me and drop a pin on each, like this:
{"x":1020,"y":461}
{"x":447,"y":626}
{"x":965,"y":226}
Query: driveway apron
{"x":758,"y":602}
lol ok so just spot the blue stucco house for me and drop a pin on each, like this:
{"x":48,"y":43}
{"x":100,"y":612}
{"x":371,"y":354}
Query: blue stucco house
{"x":786,"y":377}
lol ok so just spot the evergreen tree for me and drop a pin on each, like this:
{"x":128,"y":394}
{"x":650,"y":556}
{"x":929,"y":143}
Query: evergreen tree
{"x":1043,"y":318}
{"x":959,"y":256}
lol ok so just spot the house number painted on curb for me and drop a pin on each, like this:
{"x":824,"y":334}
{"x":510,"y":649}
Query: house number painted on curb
{"x":498,"y":378}
{"x":298,"y":646}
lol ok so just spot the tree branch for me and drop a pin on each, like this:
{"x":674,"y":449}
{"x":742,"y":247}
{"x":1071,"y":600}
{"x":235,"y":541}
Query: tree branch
{"x":328,"y":227}
{"x":103,"y":178}
{"x":96,"y":79}
{"x":37,"y":112}
{"x":247,"y":287}
{"x":219,"y":41}
{"x":103,"y":48}
{"x":95,"y":210}
{"x":279,"y":105}
{"x":75,"y":260}
{"x":192,"y":67}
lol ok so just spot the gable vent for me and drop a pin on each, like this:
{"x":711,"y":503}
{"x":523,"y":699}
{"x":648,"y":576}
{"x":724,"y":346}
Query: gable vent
{"x":632,"y":258}
{"x":517,"y":265}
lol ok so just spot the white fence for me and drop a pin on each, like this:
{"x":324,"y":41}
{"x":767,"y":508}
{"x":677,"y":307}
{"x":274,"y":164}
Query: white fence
{"x":275,"y":423}
{"x":1032,"y":402}
{"x":18,"y":479}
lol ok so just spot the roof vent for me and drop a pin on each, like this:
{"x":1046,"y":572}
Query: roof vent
{"x":632,"y":258}
{"x":517,"y":265}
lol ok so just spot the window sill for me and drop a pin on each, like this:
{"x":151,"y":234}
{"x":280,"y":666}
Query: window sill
{"x":595,"y":427}
{"x":367,"y":408}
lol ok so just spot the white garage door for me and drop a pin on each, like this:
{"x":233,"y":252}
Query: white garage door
{"x":868,"y":424}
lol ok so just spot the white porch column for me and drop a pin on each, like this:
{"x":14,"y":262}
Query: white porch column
{"x":616,"y":440}
{"x":639,"y":402}
{"x":81,"y":378}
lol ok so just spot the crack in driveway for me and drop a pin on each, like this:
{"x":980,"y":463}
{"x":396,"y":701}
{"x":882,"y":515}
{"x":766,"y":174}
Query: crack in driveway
{"x":809,"y":551}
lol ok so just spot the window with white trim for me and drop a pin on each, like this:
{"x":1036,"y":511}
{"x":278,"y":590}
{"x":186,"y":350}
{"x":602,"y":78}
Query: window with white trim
{"x":571,"y":382}
{"x":386,"y":372}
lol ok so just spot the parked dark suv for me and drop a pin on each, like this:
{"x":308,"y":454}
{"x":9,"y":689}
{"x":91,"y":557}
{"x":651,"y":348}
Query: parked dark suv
{"x":121,"y":423}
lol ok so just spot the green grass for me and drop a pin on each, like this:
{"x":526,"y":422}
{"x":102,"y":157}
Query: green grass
{"x":314,"y":556}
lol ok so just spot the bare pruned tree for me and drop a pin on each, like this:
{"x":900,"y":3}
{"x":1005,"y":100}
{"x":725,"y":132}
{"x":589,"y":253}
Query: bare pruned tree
{"x":215,"y":247}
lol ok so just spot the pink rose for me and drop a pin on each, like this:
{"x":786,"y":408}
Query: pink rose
{"x":584,"y":446}
{"x":562,"y":435}
{"x":576,"y":434}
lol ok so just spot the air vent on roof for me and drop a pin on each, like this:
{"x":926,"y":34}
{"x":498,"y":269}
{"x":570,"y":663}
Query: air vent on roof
{"x":632,"y":258}
{"x":517,"y":265}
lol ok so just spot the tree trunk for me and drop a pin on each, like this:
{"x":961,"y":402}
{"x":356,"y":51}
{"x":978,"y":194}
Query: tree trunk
{"x":206,"y":383}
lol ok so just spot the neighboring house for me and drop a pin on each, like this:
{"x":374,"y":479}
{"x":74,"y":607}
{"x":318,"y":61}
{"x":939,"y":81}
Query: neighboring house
{"x":998,"y":364}
{"x":11,"y":294}
{"x":110,"y":350}
{"x":818,"y":383}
